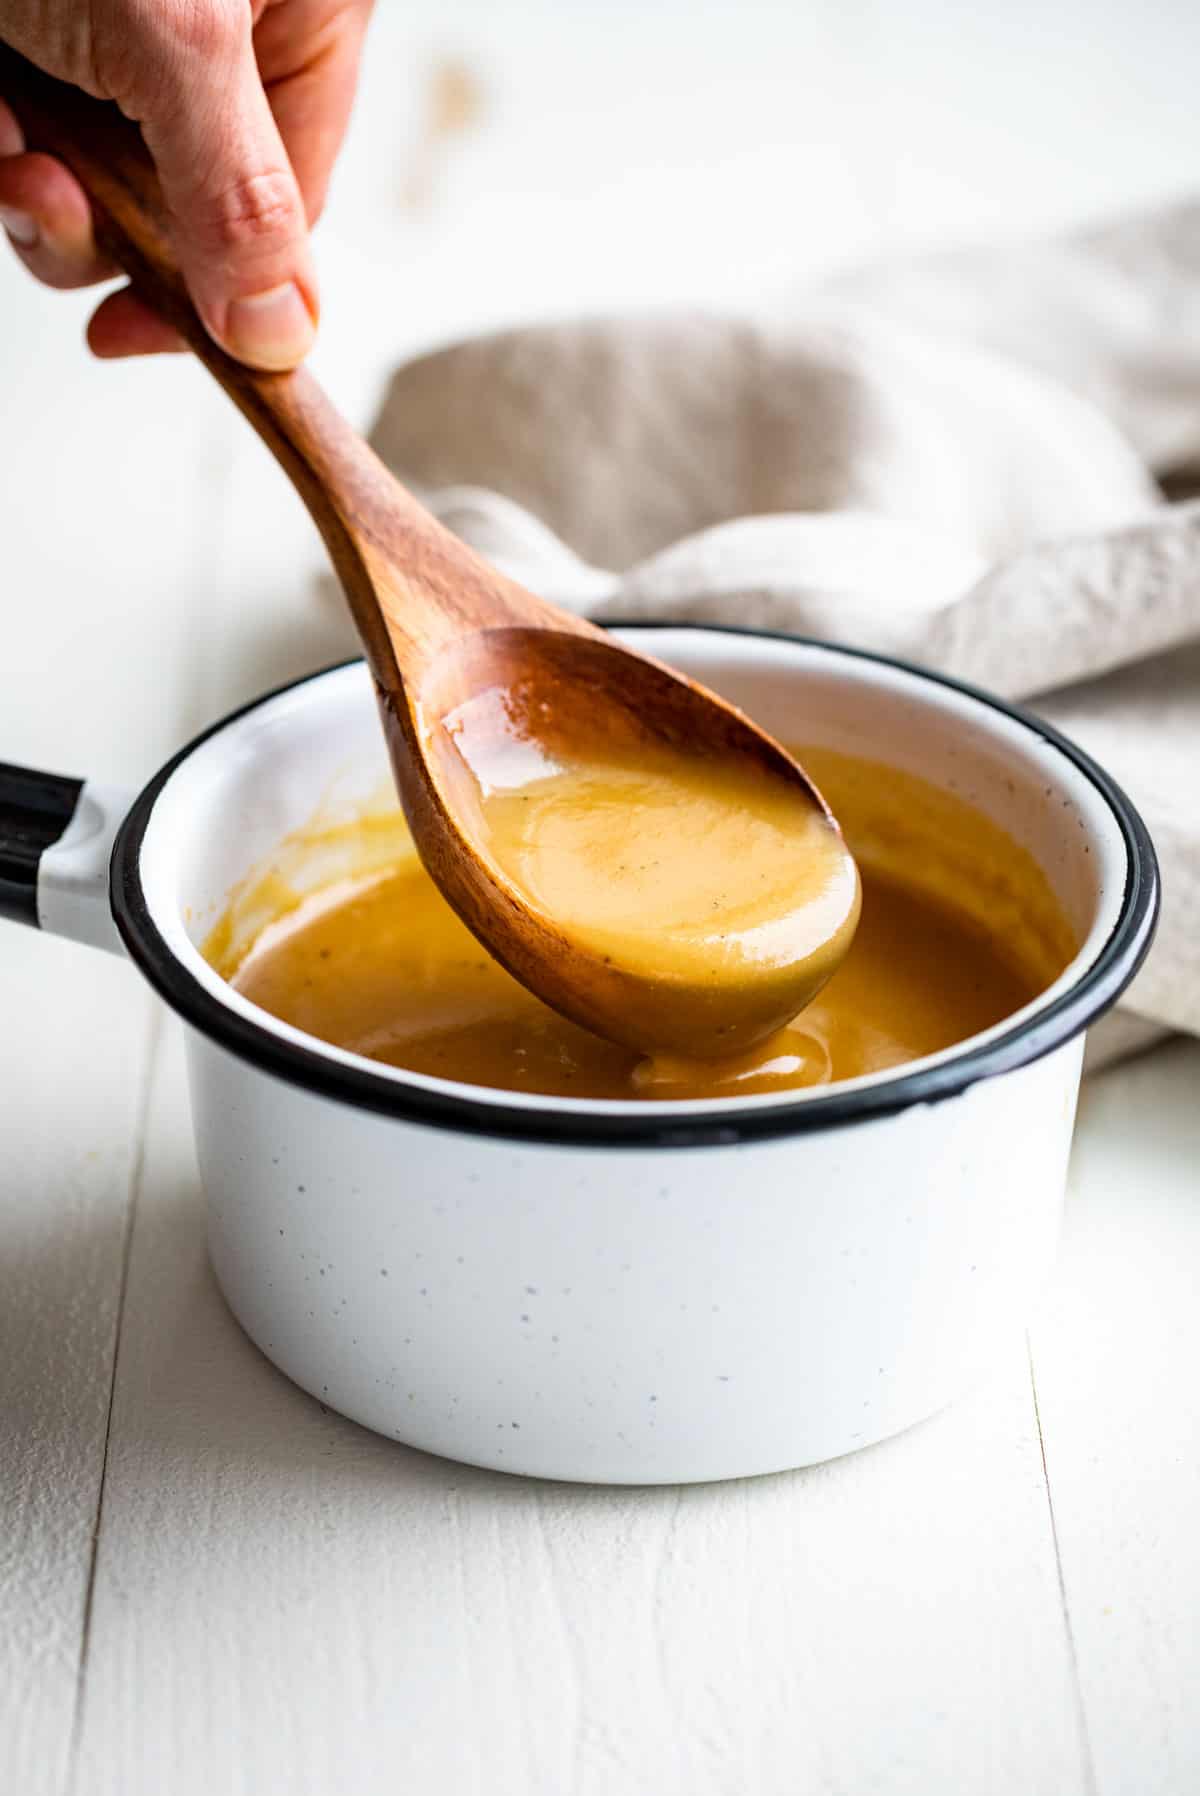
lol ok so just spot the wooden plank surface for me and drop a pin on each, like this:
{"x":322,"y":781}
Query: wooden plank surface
{"x":1117,"y":1348}
{"x":66,"y":1198}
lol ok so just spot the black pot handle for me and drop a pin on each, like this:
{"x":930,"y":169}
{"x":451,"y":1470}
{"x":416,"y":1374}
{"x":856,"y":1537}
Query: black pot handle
{"x":56,"y":837}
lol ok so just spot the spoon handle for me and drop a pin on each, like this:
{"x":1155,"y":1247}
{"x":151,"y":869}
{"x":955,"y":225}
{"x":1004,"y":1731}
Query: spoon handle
{"x":366,"y":517}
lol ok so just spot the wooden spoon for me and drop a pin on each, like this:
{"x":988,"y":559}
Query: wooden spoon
{"x":440,"y":627}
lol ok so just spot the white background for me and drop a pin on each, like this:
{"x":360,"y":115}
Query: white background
{"x":207,"y":1584}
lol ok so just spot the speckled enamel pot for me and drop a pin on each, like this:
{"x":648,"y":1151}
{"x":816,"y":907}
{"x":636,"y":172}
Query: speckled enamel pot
{"x":623,"y":1292}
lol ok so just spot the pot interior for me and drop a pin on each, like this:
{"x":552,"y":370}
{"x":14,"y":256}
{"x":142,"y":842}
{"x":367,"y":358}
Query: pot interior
{"x":318,"y":747}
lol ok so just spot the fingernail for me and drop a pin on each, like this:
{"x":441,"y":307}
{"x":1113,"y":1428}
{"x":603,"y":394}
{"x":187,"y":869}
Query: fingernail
{"x":270,"y":330}
{"x":20,"y":227}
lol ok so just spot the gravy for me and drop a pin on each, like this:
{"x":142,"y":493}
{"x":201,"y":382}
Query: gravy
{"x":958,"y":930}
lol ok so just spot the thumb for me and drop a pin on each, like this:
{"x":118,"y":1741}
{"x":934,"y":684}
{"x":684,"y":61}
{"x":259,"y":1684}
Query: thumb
{"x":237,"y":216}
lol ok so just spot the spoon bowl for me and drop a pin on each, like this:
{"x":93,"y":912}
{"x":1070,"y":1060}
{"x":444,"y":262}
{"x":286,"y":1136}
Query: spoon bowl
{"x":506,"y":710}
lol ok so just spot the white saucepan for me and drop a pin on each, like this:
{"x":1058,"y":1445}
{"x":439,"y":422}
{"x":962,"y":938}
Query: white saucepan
{"x":625,"y":1292}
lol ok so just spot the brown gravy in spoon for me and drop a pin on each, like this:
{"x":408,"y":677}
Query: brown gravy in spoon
{"x":722,"y":893}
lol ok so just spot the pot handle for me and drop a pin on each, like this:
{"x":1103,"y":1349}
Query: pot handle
{"x":56,"y":839}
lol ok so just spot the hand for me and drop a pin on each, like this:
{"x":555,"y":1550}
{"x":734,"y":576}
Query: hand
{"x":243,"y":105}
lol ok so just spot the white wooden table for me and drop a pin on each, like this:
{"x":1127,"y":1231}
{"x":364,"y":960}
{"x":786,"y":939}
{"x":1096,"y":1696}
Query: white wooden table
{"x":208,"y":1583}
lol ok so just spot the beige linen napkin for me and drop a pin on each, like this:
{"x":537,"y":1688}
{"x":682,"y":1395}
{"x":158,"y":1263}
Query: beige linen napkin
{"x":952,"y":461}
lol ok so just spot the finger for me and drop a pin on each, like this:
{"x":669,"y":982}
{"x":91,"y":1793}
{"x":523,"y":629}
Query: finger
{"x":309,"y":60}
{"x":48,"y":221}
{"x":121,"y":325}
{"x":237,"y":215}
